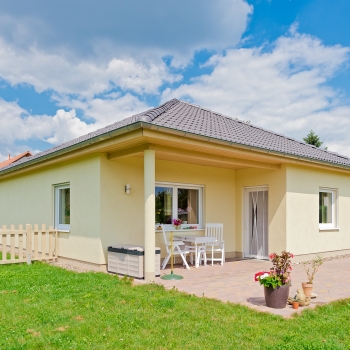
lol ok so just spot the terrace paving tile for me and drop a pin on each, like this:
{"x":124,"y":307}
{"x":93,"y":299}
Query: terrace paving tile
{"x":234,"y":282}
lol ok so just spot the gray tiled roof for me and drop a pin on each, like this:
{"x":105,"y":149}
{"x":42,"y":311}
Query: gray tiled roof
{"x":192,"y":119}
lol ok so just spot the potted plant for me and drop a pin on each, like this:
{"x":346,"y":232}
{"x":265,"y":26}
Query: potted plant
{"x":277,"y":281}
{"x":295,"y":302}
{"x":311,"y":267}
{"x":177,"y":223}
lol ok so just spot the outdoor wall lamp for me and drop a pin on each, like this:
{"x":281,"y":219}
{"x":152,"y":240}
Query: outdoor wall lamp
{"x":127,"y":189}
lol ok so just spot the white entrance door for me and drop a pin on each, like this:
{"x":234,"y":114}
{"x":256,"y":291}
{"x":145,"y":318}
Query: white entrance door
{"x":256,"y":223}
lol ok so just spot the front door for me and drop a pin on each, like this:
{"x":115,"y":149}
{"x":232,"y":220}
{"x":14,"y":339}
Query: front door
{"x":256,"y":223}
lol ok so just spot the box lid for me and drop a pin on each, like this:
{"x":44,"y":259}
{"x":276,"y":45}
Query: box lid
{"x":131,"y":249}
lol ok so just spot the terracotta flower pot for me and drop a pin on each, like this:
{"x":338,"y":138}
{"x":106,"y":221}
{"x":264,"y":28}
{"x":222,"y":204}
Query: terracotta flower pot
{"x":276,"y":298}
{"x":295,"y":304}
{"x":307,"y":288}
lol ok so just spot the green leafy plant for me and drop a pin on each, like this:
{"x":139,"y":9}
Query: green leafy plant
{"x":296,"y":298}
{"x":311,"y":267}
{"x":268,"y":279}
{"x":279,"y":273}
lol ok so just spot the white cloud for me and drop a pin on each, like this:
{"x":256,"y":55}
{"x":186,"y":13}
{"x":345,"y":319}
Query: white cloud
{"x":136,"y":28}
{"x":98,"y":63}
{"x":106,"y":111}
{"x":16,"y":124}
{"x":283,"y":89}
{"x":46,"y":71}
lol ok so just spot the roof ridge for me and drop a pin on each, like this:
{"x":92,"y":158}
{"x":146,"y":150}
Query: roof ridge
{"x":153,"y":113}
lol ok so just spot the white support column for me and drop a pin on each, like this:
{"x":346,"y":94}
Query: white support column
{"x":149,"y":185}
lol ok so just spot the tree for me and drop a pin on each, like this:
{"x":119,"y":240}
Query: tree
{"x":313,"y":139}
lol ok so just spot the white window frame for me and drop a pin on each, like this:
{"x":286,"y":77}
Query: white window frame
{"x":175,"y":187}
{"x":58,"y":226}
{"x":334,"y":223}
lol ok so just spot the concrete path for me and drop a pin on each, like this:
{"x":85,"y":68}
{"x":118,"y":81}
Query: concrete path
{"x":234,"y":282}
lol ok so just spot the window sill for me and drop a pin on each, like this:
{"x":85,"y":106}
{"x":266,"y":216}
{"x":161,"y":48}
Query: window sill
{"x":63,"y":231}
{"x":329,"y":229}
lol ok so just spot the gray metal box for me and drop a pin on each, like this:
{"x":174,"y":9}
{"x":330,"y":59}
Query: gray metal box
{"x":128,"y":259}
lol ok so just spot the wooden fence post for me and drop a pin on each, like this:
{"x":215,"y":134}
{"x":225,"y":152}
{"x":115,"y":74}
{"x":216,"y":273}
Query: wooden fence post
{"x":29,"y":244}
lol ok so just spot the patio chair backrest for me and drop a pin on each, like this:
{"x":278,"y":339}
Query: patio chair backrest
{"x":166,"y":242}
{"x":215,"y":230}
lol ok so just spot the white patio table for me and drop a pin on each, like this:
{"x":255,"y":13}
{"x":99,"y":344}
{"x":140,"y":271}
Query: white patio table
{"x":197,"y":240}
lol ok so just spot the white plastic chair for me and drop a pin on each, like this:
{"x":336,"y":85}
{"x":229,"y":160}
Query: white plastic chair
{"x":217,"y":231}
{"x":179,"y":249}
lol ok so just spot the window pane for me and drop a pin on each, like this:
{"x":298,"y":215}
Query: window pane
{"x":187,"y":205}
{"x":64,"y":206}
{"x":164,"y":205}
{"x":325,"y":203}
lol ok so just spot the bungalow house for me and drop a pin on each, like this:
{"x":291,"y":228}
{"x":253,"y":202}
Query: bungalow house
{"x":182,"y":161}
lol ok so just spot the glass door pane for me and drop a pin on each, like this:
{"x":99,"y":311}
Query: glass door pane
{"x":257,"y":225}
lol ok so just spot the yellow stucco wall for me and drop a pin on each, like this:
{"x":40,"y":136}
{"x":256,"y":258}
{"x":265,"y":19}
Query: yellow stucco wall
{"x":304,"y":236}
{"x":275,"y":180}
{"x":102,"y":214}
{"x":122,"y":216}
{"x":29,"y":199}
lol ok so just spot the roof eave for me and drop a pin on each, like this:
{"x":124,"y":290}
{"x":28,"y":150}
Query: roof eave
{"x":146,"y":125}
{"x":93,"y":140}
{"x":240,"y":145}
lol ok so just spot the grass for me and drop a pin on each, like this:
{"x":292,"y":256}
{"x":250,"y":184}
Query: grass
{"x":8,"y":256}
{"x":46,"y":307}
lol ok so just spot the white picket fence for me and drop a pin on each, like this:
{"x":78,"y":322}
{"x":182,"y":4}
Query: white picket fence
{"x":26,"y":245}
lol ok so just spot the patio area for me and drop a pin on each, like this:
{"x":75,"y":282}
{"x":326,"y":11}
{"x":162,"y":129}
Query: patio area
{"x":234,"y":282}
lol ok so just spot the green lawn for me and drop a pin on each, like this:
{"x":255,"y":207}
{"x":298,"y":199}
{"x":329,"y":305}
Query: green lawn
{"x":45,"y":307}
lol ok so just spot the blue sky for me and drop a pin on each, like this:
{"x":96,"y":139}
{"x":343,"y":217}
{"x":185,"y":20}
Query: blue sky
{"x":69,"y":67}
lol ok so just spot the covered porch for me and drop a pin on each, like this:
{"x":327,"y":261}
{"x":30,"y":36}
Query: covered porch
{"x":215,"y":174}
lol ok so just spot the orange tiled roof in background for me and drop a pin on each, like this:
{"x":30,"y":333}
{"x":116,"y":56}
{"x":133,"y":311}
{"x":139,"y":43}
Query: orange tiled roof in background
{"x":14,"y":159}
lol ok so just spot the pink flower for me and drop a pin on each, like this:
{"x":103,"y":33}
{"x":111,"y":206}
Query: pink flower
{"x":272,"y":255}
{"x":177,"y":222}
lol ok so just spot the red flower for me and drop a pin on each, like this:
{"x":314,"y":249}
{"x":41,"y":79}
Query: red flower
{"x":256,"y":276}
{"x":272,"y":255}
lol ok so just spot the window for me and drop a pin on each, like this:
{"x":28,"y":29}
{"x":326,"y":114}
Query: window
{"x":182,"y":202}
{"x":62,"y":207}
{"x":327,"y":208}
